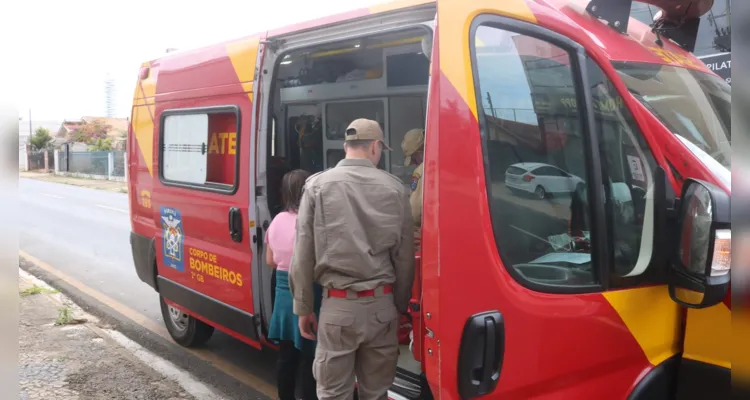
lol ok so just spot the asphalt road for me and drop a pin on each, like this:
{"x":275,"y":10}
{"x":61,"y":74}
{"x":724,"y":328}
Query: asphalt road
{"x":84,"y":233}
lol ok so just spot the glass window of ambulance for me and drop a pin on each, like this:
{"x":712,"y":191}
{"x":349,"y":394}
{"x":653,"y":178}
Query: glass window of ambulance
{"x":628,"y":165}
{"x":531,"y":118}
{"x":338,"y":117}
{"x":534,"y":138}
{"x":694,"y":105}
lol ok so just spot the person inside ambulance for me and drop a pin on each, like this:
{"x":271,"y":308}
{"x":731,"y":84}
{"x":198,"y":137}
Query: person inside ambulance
{"x":628,"y":205}
{"x":413,"y":147}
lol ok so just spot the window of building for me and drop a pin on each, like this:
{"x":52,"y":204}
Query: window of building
{"x":537,"y":164}
{"x":714,"y":31}
{"x":199,"y":148}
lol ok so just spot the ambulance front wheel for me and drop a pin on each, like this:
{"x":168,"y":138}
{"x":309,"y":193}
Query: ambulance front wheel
{"x":184,"y":329}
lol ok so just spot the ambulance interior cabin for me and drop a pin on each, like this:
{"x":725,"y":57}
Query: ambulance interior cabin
{"x":319,"y":91}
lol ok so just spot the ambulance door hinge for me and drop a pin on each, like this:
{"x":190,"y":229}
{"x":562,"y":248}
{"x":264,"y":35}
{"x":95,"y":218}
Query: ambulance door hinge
{"x":430,"y":334}
{"x":273,"y":44}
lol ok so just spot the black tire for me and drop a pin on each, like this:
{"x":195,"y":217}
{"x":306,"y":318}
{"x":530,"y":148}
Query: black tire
{"x":540,"y":193}
{"x":190,"y":333}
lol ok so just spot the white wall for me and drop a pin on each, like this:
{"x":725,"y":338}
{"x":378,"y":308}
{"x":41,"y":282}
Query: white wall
{"x":23,"y":160}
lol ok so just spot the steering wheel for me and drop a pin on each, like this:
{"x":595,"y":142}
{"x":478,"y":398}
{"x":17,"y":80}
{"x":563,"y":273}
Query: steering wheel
{"x":544,"y":273}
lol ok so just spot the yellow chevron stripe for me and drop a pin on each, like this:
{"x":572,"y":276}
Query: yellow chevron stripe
{"x":708,"y":335}
{"x":454,"y":20}
{"x":142,"y":118}
{"x":244,"y":54}
{"x":143,"y":129}
{"x":652,"y":317}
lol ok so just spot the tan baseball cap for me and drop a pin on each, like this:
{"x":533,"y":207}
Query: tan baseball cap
{"x":413,"y":141}
{"x":365,"y":129}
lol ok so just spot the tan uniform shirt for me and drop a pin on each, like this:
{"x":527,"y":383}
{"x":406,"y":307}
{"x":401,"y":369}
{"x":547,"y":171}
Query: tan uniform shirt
{"x":354,"y":231}
{"x":415,"y":199}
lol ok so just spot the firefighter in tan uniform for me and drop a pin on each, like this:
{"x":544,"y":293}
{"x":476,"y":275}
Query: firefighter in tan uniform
{"x":355,"y":237}
{"x":413,"y":148}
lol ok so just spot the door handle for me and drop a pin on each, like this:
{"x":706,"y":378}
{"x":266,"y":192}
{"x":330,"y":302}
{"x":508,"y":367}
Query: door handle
{"x":235,"y":224}
{"x":481,"y":354}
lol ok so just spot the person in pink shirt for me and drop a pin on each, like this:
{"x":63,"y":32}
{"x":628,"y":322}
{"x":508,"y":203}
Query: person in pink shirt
{"x":294,"y":350}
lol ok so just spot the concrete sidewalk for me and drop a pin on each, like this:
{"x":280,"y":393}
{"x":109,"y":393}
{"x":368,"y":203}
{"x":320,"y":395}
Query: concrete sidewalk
{"x":110,"y":186}
{"x":64,"y":354}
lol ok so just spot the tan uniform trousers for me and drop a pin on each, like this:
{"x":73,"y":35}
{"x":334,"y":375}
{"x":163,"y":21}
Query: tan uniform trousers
{"x":356,"y":336}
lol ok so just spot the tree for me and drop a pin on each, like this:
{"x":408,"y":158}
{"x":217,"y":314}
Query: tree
{"x":90,"y":132}
{"x":41,"y":139}
{"x":102,"y":145}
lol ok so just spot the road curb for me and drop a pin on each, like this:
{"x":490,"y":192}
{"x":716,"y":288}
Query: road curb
{"x":44,"y":178}
{"x":234,"y":383}
{"x":119,"y":344}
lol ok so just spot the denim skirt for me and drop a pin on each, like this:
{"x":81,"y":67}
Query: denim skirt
{"x":284,"y":324}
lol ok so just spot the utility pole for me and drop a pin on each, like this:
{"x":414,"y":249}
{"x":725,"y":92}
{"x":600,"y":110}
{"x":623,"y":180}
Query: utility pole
{"x":492,"y":109}
{"x":31,"y":132}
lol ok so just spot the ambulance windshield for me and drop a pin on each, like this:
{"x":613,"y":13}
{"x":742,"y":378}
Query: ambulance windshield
{"x":694,"y":105}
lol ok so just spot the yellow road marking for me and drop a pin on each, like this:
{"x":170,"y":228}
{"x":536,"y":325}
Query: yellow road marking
{"x":140,"y":319}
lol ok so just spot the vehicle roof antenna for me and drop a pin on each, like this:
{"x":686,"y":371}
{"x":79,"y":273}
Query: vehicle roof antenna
{"x":659,"y":42}
{"x":680,"y":21}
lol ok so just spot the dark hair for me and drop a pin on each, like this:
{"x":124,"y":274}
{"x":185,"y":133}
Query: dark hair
{"x":358,"y":144}
{"x":291,"y":189}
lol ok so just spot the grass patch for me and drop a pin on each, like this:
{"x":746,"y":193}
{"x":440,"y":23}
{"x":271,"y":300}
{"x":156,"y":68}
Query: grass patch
{"x":65,"y":317}
{"x":37,"y":290}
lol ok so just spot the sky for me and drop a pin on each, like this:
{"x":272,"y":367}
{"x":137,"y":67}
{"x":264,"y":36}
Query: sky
{"x":65,"y":49}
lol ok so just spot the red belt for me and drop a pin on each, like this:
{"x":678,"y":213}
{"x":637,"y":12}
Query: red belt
{"x":364,"y":293}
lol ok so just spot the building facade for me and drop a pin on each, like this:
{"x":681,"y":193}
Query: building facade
{"x":714,"y":44}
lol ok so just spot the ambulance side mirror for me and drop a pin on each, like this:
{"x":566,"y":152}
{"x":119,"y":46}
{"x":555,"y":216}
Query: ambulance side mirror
{"x":698,"y":274}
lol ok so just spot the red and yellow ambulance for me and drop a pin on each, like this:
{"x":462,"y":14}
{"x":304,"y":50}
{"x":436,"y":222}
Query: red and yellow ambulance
{"x":575,"y":236}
